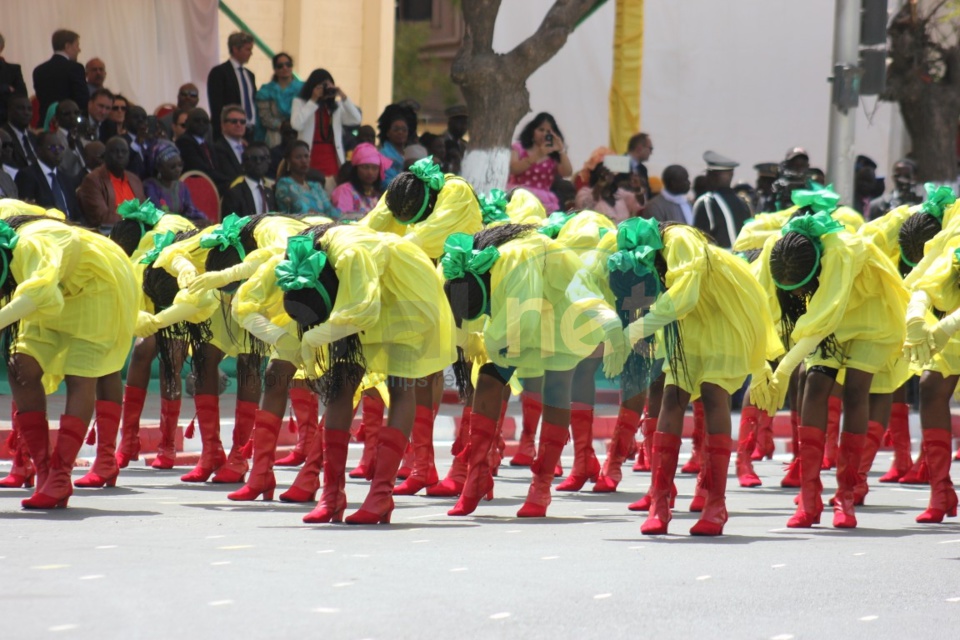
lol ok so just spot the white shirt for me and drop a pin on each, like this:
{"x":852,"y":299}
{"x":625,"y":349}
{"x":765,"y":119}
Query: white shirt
{"x":23,"y":139}
{"x":10,"y":171}
{"x":46,"y":172}
{"x":244,"y":79}
{"x":258,"y":202}
{"x":237,"y":145}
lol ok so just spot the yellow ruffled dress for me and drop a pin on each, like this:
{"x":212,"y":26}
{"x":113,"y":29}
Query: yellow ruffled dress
{"x":759,"y":229}
{"x":939,"y":280}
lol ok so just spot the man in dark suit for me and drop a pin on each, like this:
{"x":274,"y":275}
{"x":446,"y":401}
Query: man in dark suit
{"x":98,"y":125}
{"x":61,"y":77}
{"x":251,"y":196}
{"x":11,"y":82}
{"x":228,"y":150}
{"x":44,"y":184}
{"x":224,"y":85}
{"x":197,"y":154}
{"x":19,"y":112}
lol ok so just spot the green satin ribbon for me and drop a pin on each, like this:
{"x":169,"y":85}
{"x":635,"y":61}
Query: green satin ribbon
{"x":433,"y":179}
{"x":460,"y":258}
{"x":160,"y":242}
{"x":493,"y":206}
{"x":638,"y":241}
{"x":144,"y":214}
{"x":813,"y":227}
{"x":301,"y":268}
{"x":8,"y":241}
{"x":552,"y":225}
{"x":938,"y":198}
{"x":226,"y":234}
{"x":818,"y":198}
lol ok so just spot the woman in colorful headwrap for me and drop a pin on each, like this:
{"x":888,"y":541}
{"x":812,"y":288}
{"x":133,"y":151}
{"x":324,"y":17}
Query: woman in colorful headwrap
{"x":842,"y":305}
{"x":360,"y":193}
{"x":545,"y":314}
{"x":70,"y":314}
{"x":365,"y":302}
{"x":165,"y":190}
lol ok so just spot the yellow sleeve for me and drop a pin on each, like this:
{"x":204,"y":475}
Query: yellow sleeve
{"x":686,"y":257}
{"x":884,"y":232}
{"x":849,"y":218}
{"x":169,"y":222}
{"x":379,"y":218}
{"x":36,"y":267}
{"x":189,"y":249}
{"x":756,"y":230}
{"x":456,"y":210}
{"x":206,"y":304}
{"x":525,"y":208}
{"x":843,"y":256}
{"x":939,"y":280}
{"x":260,"y":293}
{"x":358,"y":295}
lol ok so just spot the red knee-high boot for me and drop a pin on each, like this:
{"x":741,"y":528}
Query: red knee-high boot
{"x":479,"y":482}
{"x":266,"y":430}
{"x":424,"y":471}
{"x":212,"y":456}
{"x":531,"y":406}
{"x":167,"y":451}
{"x":133,"y":399}
{"x":943,"y":497}
{"x":105,"y":470}
{"x":717,"y":460}
{"x":378,"y":505}
{"x":334,"y":445}
{"x":452,"y":485}
{"x":624,"y":437}
{"x":808,"y":464}
{"x":57,"y":489}
{"x":666,"y":450}
{"x":499,"y":444}
{"x":648,"y":427}
{"x":236,"y":466}
{"x":699,"y":426}
{"x":22,"y":472}
{"x":307,"y":410}
{"x":793,"y":479}
{"x":871,"y":446}
{"x":832,"y":442}
{"x":848,"y":472}
{"x":764,"y":447}
{"x":918,"y":473}
{"x":552,"y":439}
{"x":371,"y":422}
{"x":750,"y":419}
{"x":585,"y":463}
{"x":898,"y":435}
{"x":35,"y":433}
{"x":305,"y":485}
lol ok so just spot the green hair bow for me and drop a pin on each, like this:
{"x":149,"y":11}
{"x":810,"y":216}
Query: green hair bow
{"x":8,"y":240}
{"x":638,"y":240}
{"x":938,"y":198}
{"x":432,"y":177}
{"x":145,"y":213}
{"x":552,"y":225}
{"x":818,"y":198}
{"x":160,"y":242}
{"x":302,"y":266}
{"x":493,"y":206}
{"x":460,"y":258}
{"x":226,"y":234}
{"x":812,"y":227}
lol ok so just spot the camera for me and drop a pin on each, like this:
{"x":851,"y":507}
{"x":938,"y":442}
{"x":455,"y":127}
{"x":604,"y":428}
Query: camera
{"x":329,"y":92}
{"x":549,"y":139}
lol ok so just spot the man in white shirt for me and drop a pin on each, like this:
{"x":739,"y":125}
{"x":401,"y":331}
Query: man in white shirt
{"x":229,"y":148}
{"x":252,"y":195}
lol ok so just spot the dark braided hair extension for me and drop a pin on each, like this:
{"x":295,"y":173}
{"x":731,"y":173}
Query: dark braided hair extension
{"x":791,"y":260}
{"x":461,"y":373}
{"x":219,"y":259}
{"x":128,"y":234}
{"x":405,"y":197}
{"x":914,"y":234}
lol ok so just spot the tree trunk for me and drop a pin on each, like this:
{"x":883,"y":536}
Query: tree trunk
{"x":931,"y":120}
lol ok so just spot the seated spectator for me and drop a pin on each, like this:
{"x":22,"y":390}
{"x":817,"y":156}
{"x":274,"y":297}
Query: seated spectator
{"x":537,"y":157}
{"x":67,"y":118}
{"x":672,"y":204}
{"x":135,"y":127}
{"x":288,"y":135}
{"x":19,"y":113}
{"x":197,"y":154}
{"x":228,"y":150}
{"x":275,"y":100}
{"x":118,"y":113}
{"x":609,"y":194}
{"x":165,"y":189}
{"x":43,"y":184}
{"x":394,"y":131}
{"x":8,"y":188}
{"x":188,"y":97}
{"x":358,"y":195}
{"x":436,"y":146}
{"x":367,"y":134}
{"x":98,"y":125}
{"x":251,"y":195}
{"x":96,"y":72}
{"x":93,"y":153}
{"x":296,"y":193}
{"x":566,"y":193}
{"x":178,"y":123}
{"x":106,"y":188}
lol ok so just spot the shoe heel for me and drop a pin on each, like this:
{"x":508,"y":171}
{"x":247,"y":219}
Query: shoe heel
{"x":112,"y":482}
{"x":385,"y":518}
{"x":268,"y":495}
{"x":29,"y":482}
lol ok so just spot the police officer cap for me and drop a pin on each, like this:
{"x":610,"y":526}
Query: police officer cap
{"x":717,"y":162}
{"x":767,"y":169}
{"x":456,"y":110}
{"x":796,"y":152}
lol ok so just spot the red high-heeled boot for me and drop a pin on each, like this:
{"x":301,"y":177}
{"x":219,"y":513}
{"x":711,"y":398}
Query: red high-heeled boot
{"x":333,"y":500}
{"x":943,"y":497}
{"x":666,"y":450}
{"x":717,"y":460}
{"x":133,"y":399}
{"x":832,"y":441}
{"x":792,"y":478}
{"x":212,"y":456}
{"x":499,"y":444}
{"x":371,"y":422}
{"x":307,"y":482}
{"x":22,"y":472}
{"x":643,"y":504}
{"x":871,"y":446}
{"x":848,"y":471}
{"x":552,"y":440}
{"x":648,"y":427}
{"x":452,"y":485}
{"x":57,"y":488}
{"x":624,"y":436}
{"x":233,"y":471}
{"x":750,"y":418}
{"x":763,"y":445}
{"x":424,"y":471}
{"x":898,"y":435}
{"x":918,"y":473}
{"x":378,"y":505}
{"x":808,"y":464}
{"x":479,"y":482}
{"x":307,"y":411}
{"x":35,"y":433}
{"x":105,"y":469}
{"x":585,"y":464}
{"x":531,"y":407}
{"x":699,"y":427}
{"x":167,"y":451}
{"x":266,"y":430}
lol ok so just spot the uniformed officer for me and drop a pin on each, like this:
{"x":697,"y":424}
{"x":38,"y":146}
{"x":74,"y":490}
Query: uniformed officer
{"x":719,"y":211}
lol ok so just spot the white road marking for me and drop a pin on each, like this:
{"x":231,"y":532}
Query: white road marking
{"x":602,"y":596}
{"x":431,"y":515}
{"x":63,"y":627}
{"x":777,"y":566}
{"x":343,"y":584}
{"x":458,"y":569}
{"x":514,"y":531}
{"x":106,"y":546}
{"x":500,"y":616}
{"x":868,"y":618}
{"x":953,"y":599}
{"x":861,"y":553}
{"x":419,"y":541}
{"x":325,"y":551}
{"x":549,"y":557}
{"x":703,"y":577}
{"x":326,"y":610}
{"x":235,"y":547}
{"x":95,"y":576}
{"x":220,"y":563}
{"x":219,"y":603}
{"x":50,"y":567}
{"x":635,"y":548}
{"x":215,"y":537}
{"x":783,"y":636}
{"x":950,"y":542}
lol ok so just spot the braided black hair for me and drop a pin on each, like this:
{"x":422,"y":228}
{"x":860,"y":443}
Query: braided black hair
{"x":915,"y":232}
{"x":219,"y":259}
{"x":405,"y":197}
{"x":128,"y":234}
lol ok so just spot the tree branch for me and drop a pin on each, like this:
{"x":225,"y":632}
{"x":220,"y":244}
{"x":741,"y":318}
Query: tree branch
{"x":532,"y":53}
{"x":480,"y":17}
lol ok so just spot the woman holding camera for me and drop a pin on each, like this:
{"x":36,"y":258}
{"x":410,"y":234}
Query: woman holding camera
{"x":319,"y":115}
{"x":539,"y":156}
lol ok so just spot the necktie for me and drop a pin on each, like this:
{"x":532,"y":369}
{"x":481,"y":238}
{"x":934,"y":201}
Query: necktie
{"x":59,"y":201}
{"x":247,"y":106}
{"x":28,"y":150}
{"x":206,"y":152}
{"x":263,"y":199}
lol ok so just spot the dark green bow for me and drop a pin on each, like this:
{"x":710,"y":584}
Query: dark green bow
{"x":460,"y":258}
{"x":8,"y":240}
{"x":429,"y":173}
{"x":302,"y":266}
{"x":145,"y":213}
{"x":493,"y":206}
{"x":552,"y":225}
{"x":160,"y":242}
{"x":938,"y":198}
{"x":638,"y":241}
{"x":226,"y":234}
{"x":818,"y":198}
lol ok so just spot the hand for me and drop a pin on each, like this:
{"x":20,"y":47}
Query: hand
{"x":634,"y":332}
{"x":208,"y":282}
{"x":186,"y":277}
{"x":317,"y":93}
{"x":917,"y":330}
{"x":615,"y":352}
{"x":147,"y":325}
{"x":761,"y":395}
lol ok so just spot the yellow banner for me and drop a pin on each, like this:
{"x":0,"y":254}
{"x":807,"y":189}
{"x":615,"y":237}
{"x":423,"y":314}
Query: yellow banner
{"x":627,"y":73}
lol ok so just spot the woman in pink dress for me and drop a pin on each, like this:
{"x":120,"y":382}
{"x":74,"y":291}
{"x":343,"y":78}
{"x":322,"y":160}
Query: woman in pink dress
{"x":538,"y":157}
{"x":355,"y":197}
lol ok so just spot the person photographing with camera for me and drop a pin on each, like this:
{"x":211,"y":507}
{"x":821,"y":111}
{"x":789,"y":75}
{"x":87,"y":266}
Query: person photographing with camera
{"x":538,"y":156}
{"x":319,"y":113}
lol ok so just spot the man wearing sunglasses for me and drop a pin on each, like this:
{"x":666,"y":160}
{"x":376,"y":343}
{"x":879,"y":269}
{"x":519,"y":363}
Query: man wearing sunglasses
{"x":188,"y":97}
{"x":44,"y":183}
{"x":232,"y":83}
{"x":229,"y":148}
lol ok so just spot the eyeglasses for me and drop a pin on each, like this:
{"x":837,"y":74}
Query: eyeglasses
{"x":283,"y":64}
{"x":236,"y":121}
{"x":190,"y":94}
{"x":55,"y":147}
{"x":118,"y":107}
